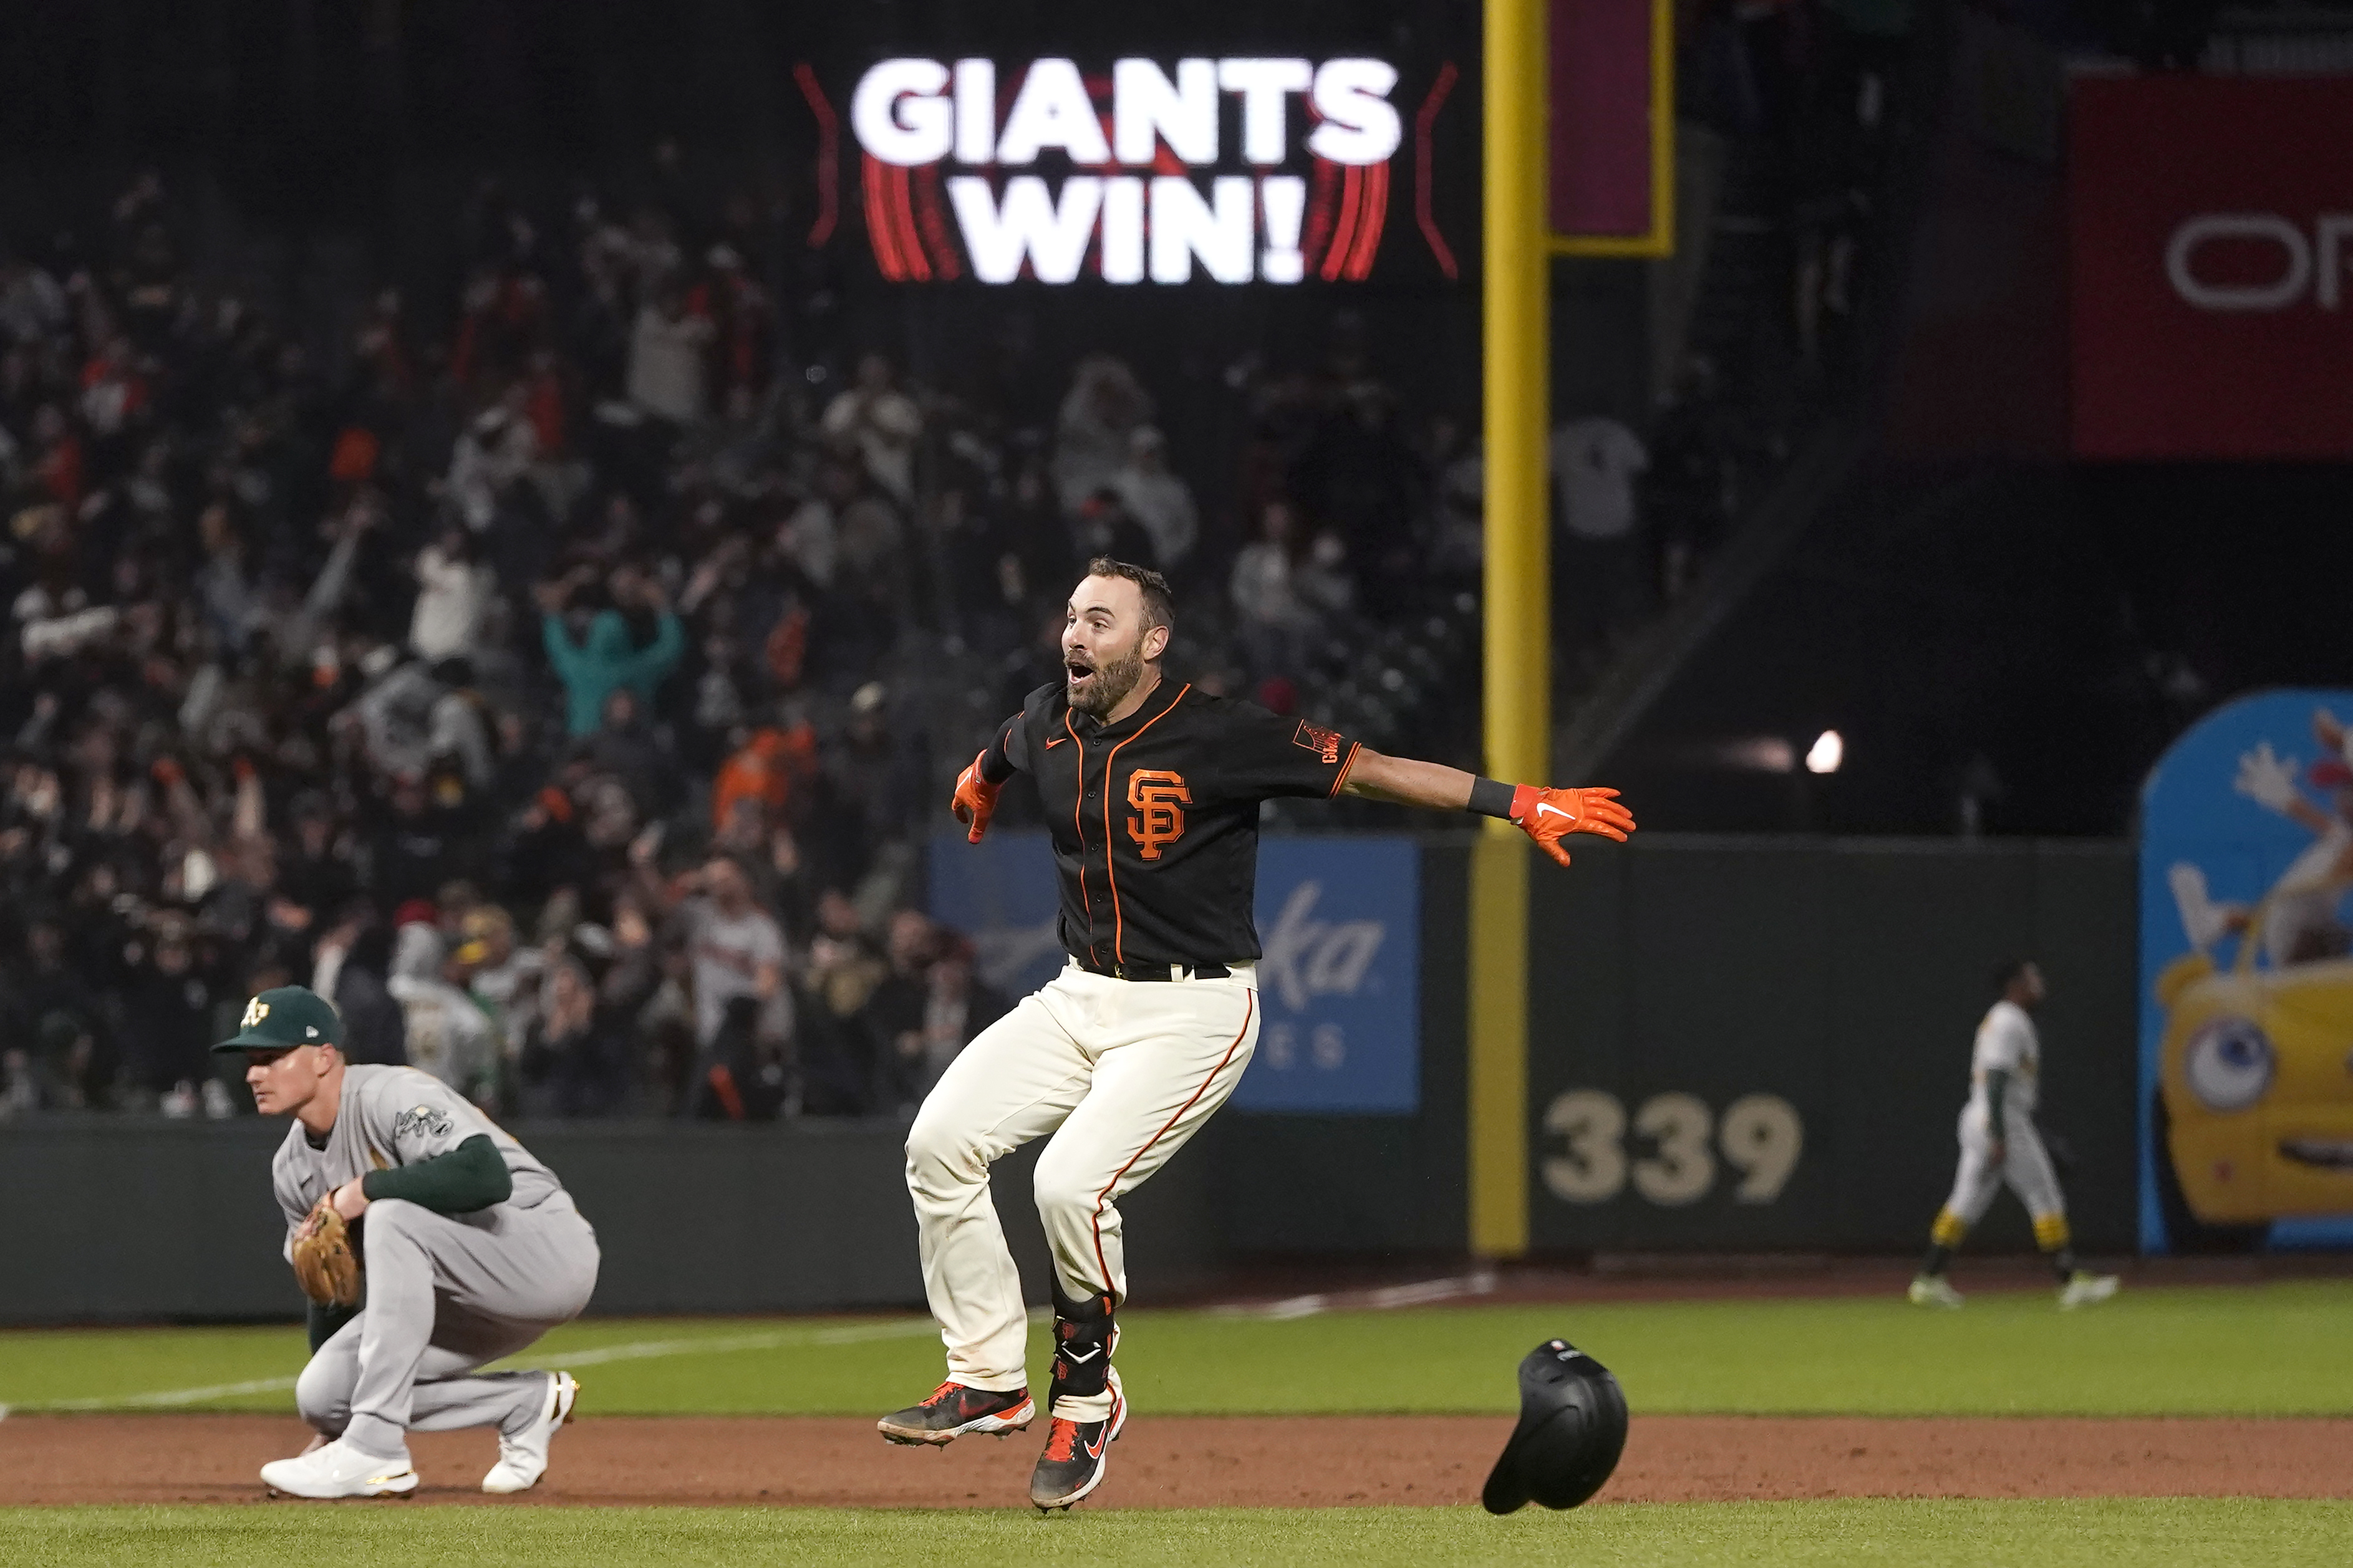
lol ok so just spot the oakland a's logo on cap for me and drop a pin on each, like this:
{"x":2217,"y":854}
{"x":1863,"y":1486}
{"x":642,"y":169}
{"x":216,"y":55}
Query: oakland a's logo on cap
{"x":254,"y":1010}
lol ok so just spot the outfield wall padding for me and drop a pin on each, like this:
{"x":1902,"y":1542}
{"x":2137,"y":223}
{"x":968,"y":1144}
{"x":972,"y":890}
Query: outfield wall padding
{"x":1844,"y":978}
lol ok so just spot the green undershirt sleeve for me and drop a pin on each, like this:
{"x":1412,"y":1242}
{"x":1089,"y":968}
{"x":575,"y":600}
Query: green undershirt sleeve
{"x":471,"y":1176}
{"x":1997,"y":1085}
{"x":325,"y":1320}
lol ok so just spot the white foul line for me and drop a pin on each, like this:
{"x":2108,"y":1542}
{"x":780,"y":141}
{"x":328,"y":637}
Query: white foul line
{"x":636,"y":1350}
{"x":1420,"y":1294}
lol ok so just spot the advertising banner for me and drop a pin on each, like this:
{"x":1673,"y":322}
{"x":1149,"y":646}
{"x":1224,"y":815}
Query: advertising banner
{"x":1340,"y":923}
{"x":2209,"y":224}
{"x":2246,"y":1005}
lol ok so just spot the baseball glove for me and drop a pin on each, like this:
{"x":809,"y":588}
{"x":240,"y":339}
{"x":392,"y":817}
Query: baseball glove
{"x":326,"y":1262}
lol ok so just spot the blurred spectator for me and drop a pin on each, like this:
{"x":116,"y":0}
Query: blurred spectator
{"x":452,"y":600}
{"x":503,"y":977}
{"x":666,"y":349}
{"x":738,"y":954}
{"x":607,"y":658}
{"x":1105,"y":406}
{"x":445,"y":1034}
{"x":837,"y":1058}
{"x":1158,"y":499}
{"x":927,"y":1010}
{"x":880,"y":424}
{"x":1282,"y":594}
{"x":1600,"y":577}
{"x":574,"y":1057}
{"x":352,"y":967}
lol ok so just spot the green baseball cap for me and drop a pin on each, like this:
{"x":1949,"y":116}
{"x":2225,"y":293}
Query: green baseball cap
{"x":282,"y":1019}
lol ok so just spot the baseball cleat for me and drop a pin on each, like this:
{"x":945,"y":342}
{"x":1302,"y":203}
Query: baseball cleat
{"x":2083,"y":1289}
{"x":953,"y":1410}
{"x":337,"y":1469}
{"x":1934,"y":1290}
{"x":1073,"y":1463}
{"x":523,"y":1458}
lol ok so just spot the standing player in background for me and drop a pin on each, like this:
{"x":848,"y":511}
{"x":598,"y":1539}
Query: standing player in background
{"x":2000,"y":1144}
{"x":469,"y":1249}
{"x":1151,"y":791}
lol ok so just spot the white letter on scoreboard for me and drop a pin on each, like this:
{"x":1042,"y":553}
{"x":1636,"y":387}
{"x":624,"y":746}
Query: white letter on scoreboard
{"x":1145,"y":105}
{"x":975,"y":111}
{"x":1360,"y":125}
{"x":1123,"y":230}
{"x":1263,"y":84}
{"x":1053,"y":110}
{"x":898,"y":114}
{"x":1028,"y":224}
{"x":1185,"y":226}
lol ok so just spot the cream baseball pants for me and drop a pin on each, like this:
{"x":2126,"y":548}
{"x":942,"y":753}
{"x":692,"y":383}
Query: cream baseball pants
{"x":2025,"y":1167}
{"x":1122,"y":1072}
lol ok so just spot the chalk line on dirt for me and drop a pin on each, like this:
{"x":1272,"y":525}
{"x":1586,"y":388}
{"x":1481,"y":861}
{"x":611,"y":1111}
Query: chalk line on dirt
{"x":598,"y":1356}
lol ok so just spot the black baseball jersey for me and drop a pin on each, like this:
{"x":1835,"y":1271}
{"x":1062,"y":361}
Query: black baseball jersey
{"x":1154,"y":819}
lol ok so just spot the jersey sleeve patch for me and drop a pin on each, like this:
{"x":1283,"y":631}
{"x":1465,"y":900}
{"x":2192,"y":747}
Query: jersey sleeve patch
{"x":1324,"y":743}
{"x":420,"y":1121}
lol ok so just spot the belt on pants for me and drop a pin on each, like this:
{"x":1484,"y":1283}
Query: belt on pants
{"x":1153,"y":971}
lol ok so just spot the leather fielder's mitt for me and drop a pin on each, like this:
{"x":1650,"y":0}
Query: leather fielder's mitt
{"x":325,"y":1261}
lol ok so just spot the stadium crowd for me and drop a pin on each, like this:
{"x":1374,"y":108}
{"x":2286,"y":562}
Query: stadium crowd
{"x":557,"y":692}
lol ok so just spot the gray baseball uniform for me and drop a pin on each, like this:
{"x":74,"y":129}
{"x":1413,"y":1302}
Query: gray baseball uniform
{"x":446,"y":1293}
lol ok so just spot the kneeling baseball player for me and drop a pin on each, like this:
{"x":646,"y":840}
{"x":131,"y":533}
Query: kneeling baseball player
{"x":431,"y":1243}
{"x":1152,"y":790}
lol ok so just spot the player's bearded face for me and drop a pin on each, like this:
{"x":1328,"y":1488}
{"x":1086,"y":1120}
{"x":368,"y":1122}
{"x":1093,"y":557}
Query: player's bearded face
{"x":1098,"y":682}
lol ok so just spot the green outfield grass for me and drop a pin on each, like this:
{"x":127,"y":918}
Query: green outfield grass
{"x":2161,"y":1534}
{"x":2264,"y":1349}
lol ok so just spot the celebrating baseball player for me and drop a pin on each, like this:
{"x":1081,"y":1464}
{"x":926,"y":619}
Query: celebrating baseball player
{"x":2000,"y":1144}
{"x":1152,"y":789}
{"x":431,"y":1243}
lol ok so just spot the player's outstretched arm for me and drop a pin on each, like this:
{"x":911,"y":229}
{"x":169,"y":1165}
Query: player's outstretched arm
{"x":976,"y":788}
{"x":1546,"y":815}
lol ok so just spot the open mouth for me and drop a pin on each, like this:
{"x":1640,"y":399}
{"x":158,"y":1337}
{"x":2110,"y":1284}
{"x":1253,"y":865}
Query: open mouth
{"x":1077,"y":671}
{"x":2322,"y":1154}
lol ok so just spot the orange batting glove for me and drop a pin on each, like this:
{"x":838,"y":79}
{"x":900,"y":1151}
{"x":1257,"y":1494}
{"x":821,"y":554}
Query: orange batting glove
{"x":1549,"y":816}
{"x":976,"y":800}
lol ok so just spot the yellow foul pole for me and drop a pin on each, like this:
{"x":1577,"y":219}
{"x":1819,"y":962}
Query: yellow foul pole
{"x":1518,"y":711}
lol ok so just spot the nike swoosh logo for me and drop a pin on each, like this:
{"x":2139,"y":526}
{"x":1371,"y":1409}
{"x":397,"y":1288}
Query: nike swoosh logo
{"x":1056,"y":742}
{"x":1555,"y":811}
{"x":1074,"y":1355}
{"x":1095,"y":1449}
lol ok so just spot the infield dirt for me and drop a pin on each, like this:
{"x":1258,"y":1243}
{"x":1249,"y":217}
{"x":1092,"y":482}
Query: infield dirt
{"x":1222,"y":1461}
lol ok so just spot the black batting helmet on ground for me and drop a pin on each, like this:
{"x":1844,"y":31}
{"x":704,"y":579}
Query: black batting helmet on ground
{"x":1572,"y":1428}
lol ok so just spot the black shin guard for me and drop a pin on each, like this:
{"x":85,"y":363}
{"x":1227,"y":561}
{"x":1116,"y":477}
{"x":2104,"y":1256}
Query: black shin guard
{"x":1083,"y":1333}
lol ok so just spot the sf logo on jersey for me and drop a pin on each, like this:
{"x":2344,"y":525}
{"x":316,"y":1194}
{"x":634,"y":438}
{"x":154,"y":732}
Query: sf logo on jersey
{"x":1157,"y":796}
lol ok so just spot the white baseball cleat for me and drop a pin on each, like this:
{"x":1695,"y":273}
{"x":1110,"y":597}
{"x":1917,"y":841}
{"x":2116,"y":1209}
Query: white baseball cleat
{"x":523,"y":1458}
{"x":2083,"y":1289}
{"x":1934,"y":1290}
{"x":337,"y":1469}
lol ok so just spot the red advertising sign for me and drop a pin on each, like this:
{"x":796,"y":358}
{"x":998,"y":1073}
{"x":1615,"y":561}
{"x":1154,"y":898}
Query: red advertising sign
{"x":2211,"y":224}
{"x":1609,"y":83}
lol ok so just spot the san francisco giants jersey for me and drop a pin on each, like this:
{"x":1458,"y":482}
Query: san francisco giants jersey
{"x":1154,"y":819}
{"x":2006,"y":1043}
{"x":396,"y":1116}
